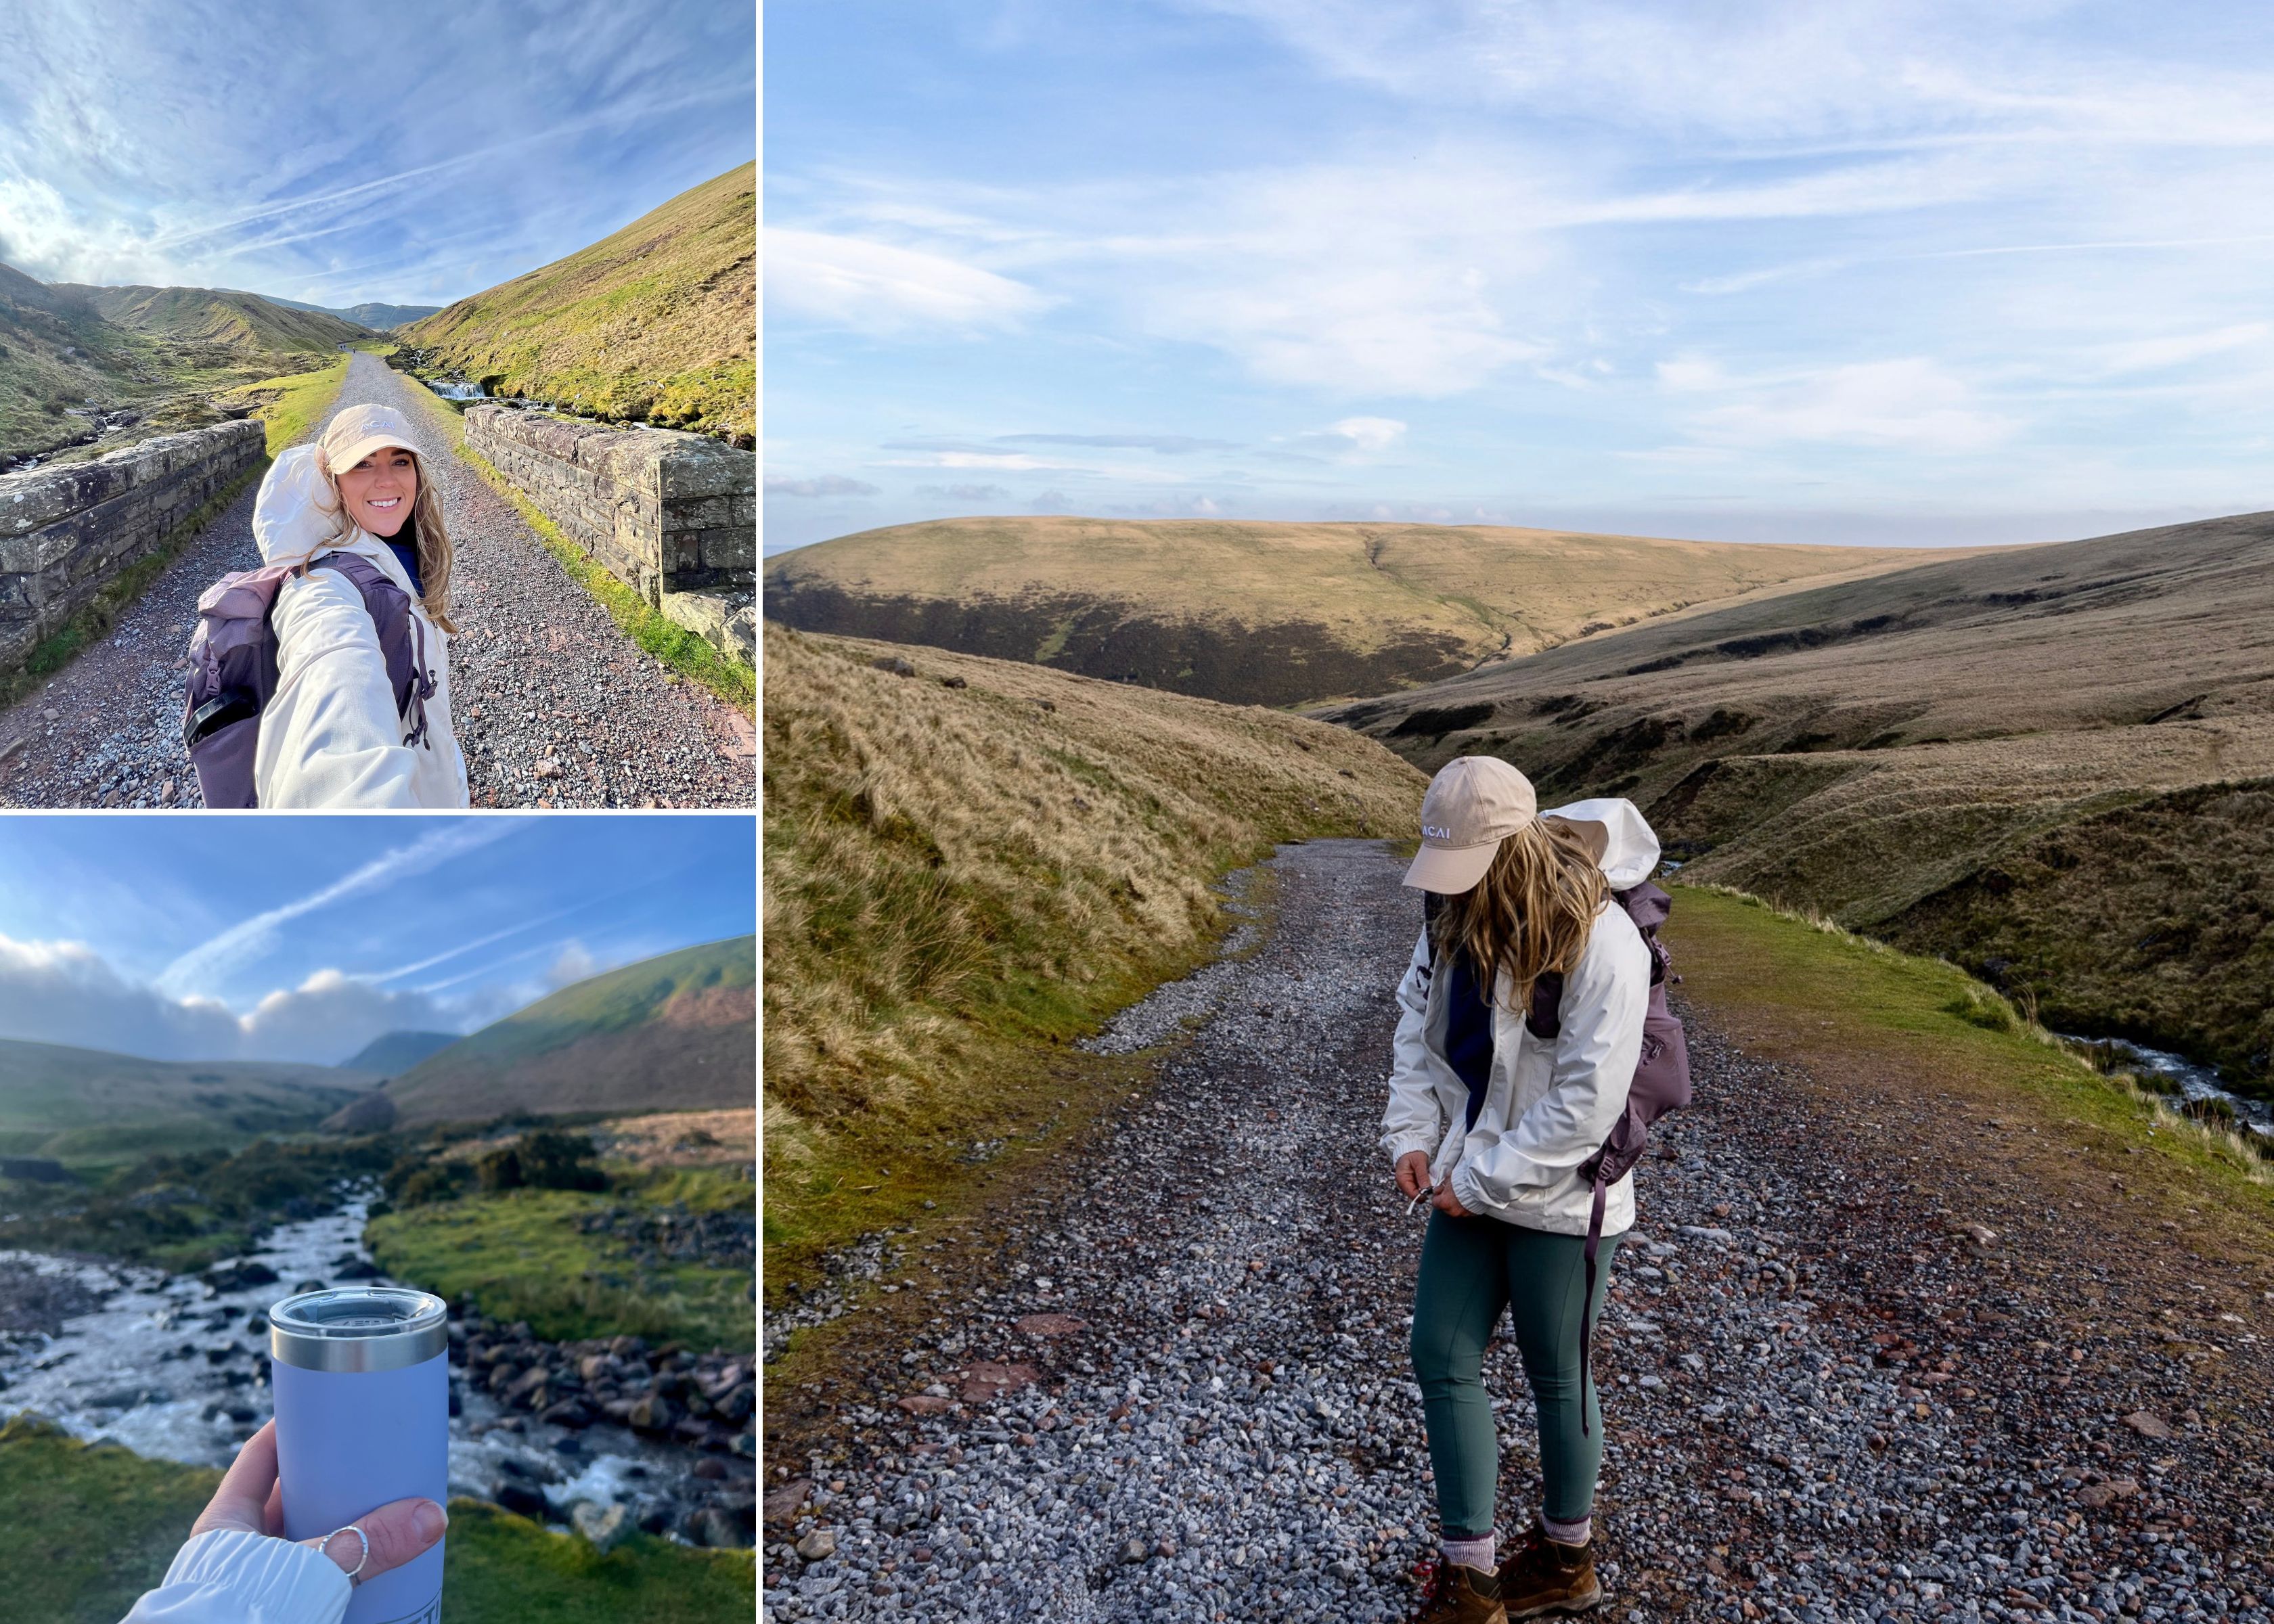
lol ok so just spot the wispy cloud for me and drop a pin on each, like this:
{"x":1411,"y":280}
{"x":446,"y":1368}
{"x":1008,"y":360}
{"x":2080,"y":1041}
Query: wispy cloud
{"x":195,"y":970}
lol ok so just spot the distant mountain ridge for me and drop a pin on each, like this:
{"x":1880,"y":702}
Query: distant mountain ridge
{"x":656,"y":323}
{"x":246,"y":321}
{"x":394,"y":1052}
{"x":1259,"y":612}
{"x":675,"y":1031}
{"x":381,"y":318}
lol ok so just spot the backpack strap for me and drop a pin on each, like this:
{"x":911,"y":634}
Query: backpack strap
{"x":1587,"y":1302}
{"x":402,"y":639}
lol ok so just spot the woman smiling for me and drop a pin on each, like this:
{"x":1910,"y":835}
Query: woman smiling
{"x":342,"y":728}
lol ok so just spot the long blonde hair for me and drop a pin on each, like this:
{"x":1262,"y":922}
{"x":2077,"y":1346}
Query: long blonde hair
{"x":435,"y":555}
{"x":1531,"y":912}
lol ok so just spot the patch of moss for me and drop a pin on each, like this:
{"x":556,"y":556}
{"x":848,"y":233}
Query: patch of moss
{"x":521,"y":1255}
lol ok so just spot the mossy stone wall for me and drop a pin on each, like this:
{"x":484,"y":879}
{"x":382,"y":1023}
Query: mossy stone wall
{"x":663,"y":511}
{"x":64,"y":531}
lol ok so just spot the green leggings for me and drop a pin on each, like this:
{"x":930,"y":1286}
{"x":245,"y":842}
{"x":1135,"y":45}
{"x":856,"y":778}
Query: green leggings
{"x":1471,"y":1269}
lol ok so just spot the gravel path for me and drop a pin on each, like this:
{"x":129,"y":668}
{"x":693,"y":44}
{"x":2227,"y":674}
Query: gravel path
{"x":554,"y":706}
{"x":1170,"y":1382}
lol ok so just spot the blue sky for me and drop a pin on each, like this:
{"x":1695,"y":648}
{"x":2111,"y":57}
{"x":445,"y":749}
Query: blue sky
{"x":1926,"y":273}
{"x":410,"y":153}
{"x":303,"y":938}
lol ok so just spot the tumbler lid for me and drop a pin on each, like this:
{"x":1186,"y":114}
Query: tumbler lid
{"x":358,"y":1328}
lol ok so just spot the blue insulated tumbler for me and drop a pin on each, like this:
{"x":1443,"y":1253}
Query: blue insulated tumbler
{"x":363,"y":1416}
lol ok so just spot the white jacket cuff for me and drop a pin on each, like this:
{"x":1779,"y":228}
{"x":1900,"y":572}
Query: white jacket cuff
{"x":1396,"y":1146}
{"x":228,"y":1576}
{"x":1469,"y":1192}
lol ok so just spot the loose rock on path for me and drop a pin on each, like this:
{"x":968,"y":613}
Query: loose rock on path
{"x":552,"y":705}
{"x":1169,"y":1382}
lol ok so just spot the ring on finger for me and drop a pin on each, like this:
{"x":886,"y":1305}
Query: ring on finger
{"x":361,"y":1538}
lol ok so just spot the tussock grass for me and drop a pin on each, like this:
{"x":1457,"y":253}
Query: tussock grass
{"x":958,"y":878}
{"x":290,"y":406}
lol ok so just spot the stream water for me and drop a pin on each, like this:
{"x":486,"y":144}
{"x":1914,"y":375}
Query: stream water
{"x":174,"y":1368}
{"x":2195,"y":1082}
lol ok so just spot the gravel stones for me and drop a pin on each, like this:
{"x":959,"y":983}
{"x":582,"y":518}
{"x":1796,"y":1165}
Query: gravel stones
{"x":538,"y":673}
{"x":1819,"y":1403}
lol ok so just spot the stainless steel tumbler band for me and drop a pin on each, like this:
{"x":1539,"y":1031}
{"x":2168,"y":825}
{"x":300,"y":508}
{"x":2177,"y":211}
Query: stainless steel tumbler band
{"x":358,"y":1328}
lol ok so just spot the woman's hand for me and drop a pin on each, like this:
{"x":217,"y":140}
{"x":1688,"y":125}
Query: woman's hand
{"x":1413,"y":1173}
{"x":1448,"y":1203}
{"x":250,"y":1500}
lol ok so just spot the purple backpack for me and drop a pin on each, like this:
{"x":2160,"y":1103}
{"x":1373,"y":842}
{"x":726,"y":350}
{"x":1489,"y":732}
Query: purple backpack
{"x":1662,"y":1079}
{"x":233,"y":667}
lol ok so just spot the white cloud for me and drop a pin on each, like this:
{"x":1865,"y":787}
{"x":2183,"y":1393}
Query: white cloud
{"x":825,"y":484}
{"x":64,"y":992}
{"x":2153,"y":353}
{"x":880,"y":288}
{"x":1913,"y":403}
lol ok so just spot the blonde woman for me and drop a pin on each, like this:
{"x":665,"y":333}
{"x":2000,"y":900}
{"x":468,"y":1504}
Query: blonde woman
{"x":341,"y":730}
{"x":1490,"y":1125}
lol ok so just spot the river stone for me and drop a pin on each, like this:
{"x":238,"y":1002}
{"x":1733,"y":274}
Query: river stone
{"x":605,"y":1527}
{"x":652,"y":1414}
{"x":819,"y":1545}
{"x":519,"y":1498}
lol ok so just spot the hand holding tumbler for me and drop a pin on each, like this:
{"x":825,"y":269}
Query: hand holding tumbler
{"x":362,"y":1379}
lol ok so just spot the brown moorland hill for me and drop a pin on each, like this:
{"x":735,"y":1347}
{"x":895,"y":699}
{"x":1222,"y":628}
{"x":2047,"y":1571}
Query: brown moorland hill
{"x":1268,"y":613}
{"x":2053,"y":764}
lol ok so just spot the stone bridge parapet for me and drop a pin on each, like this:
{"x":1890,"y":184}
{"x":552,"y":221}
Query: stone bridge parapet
{"x":67,"y":530}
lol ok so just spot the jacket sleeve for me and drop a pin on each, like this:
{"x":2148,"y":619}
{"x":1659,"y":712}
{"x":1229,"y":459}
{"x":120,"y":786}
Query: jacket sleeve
{"x":330,"y":736}
{"x":232,"y":1577}
{"x":1412,"y":1121}
{"x":1604,"y":1001}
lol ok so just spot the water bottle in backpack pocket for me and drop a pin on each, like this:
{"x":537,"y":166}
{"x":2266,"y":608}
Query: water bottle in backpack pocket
{"x":233,"y":667}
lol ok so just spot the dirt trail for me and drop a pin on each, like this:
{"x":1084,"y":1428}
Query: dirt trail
{"x":552,"y":705}
{"x":1166,"y":1380}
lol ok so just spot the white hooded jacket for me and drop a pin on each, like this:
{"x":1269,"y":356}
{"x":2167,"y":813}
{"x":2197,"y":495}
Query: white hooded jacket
{"x":1549,"y":1103}
{"x":331,"y":736}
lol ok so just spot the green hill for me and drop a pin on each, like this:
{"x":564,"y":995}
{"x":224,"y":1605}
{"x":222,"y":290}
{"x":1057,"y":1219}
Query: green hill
{"x":1267,"y":613}
{"x":674,"y":1032}
{"x":379,"y":317}
{"x":240,"y":321}
{"x":394,"y":1052}
{"x":87,"y":1108}
{"x":657,"y":323}
{"x":76,"y":359}
{"x":2053,"y":764}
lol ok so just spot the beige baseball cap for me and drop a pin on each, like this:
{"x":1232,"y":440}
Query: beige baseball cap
{"x":1472,"y":804}
{"x":355,"y":433}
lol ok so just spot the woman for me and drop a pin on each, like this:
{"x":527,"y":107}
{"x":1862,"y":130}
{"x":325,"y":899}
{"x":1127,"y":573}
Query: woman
{"x":334,"y":733}
{"x":1492,"y":1124}
{"x":234,"y":1570}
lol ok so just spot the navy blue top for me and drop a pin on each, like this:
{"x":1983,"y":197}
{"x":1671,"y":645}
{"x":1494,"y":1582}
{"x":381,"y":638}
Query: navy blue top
{"x":404,"y":545}
{"x":1468,"y":1032}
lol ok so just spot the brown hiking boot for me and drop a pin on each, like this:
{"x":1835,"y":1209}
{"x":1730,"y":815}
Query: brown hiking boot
{"x":1457,"y":1594}
{"x":1544,"y":1576}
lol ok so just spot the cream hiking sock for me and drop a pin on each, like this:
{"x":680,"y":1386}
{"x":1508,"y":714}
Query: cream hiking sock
{"x":1472,"y":1554}
{"x":1568,"y":1533}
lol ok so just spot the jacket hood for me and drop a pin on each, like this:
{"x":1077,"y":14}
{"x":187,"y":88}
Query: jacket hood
{"x":293,"y":519}
{"x":1628,"y":846}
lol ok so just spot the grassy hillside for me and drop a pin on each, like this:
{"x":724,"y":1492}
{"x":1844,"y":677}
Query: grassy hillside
{"x":241,"y":321}
{"x":91,"y":1111}
{"x":969,"y":864}
{"x":500,"y":1569}
{"x":141,"y":361}
{"x":1264,"y":613}
{"x":2047,"y":763}
{"x":657,"y":323}
{"x":670,"y":1032}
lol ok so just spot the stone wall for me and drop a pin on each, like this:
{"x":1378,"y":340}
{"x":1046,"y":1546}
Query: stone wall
{"x":64,"y":531}
{"x":663,"y":512}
